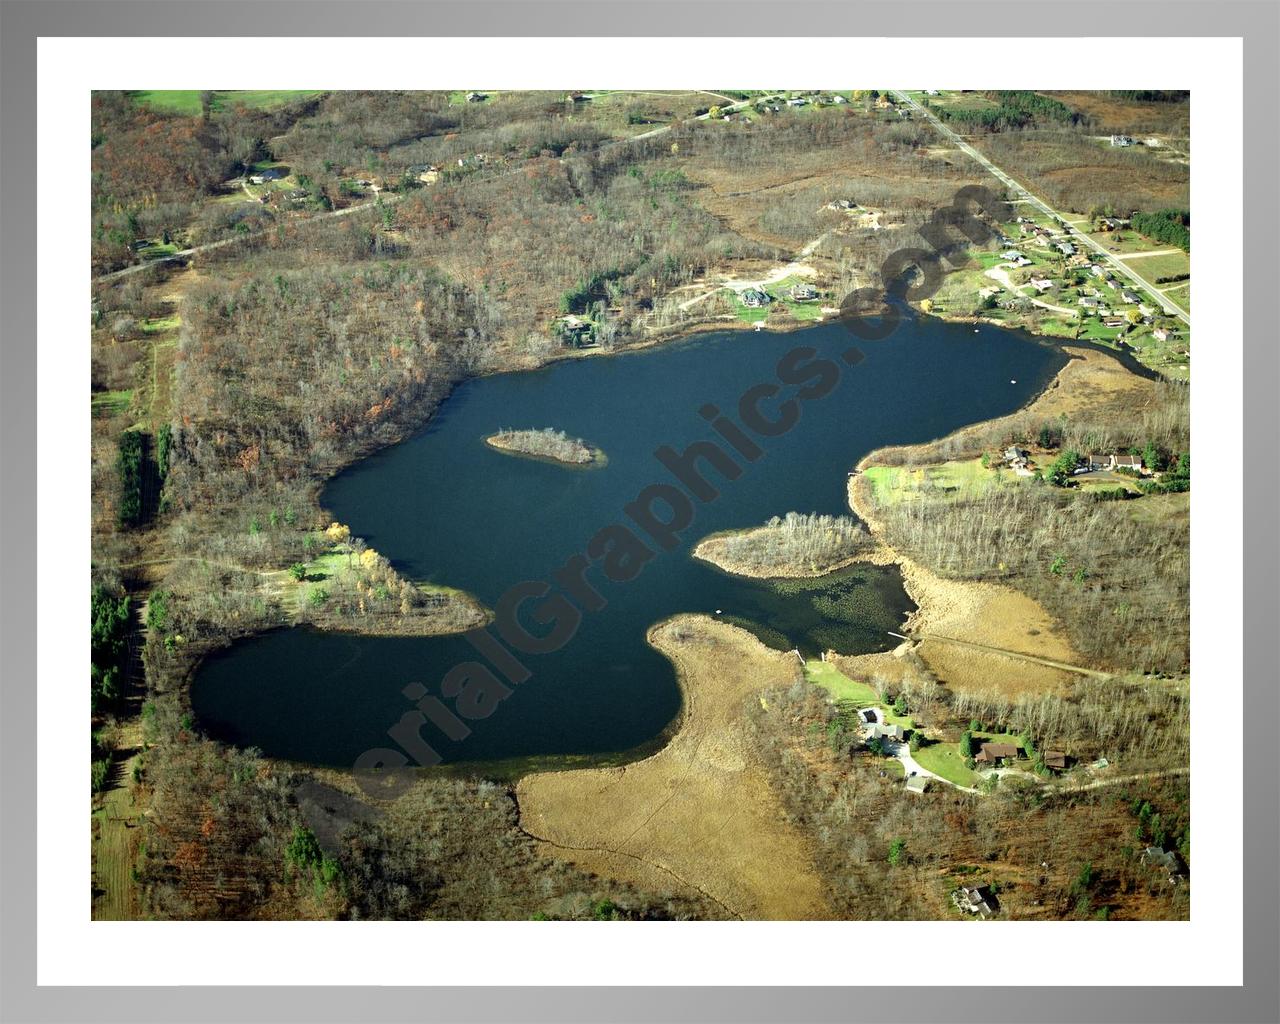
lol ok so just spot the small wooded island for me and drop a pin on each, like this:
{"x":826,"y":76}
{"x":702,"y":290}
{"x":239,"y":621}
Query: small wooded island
{"x":794,"y":546}
{"x":547,"y":443}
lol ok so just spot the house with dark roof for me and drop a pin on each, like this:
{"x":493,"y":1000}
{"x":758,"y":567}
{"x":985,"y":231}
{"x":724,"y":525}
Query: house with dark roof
{"x":1133,"y":462}
{"x":994,"y":753}
{"x":1056,"y":760}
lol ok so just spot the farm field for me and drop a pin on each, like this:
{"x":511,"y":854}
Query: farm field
{"x":187,"y":101}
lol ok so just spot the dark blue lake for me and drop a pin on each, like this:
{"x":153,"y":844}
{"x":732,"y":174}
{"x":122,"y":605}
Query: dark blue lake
{"x":446,"y":507}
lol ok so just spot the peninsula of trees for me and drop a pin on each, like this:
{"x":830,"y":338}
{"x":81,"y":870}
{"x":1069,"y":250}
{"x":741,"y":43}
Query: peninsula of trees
{"x":796,"y":545}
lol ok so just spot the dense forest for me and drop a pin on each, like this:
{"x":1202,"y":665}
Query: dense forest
{"x":1014,"y":109}
{"x":1171,"y":226}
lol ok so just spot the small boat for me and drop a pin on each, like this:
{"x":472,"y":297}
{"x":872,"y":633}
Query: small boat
{"x":1013,"y":382}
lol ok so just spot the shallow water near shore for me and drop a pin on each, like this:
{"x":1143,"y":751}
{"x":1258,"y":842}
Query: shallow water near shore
{"x":446,"y":507}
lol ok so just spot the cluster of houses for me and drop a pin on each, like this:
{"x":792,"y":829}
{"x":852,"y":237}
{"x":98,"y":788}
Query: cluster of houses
{"x":796,"y":102}
{"x":758,"y":298}
{"x":835,"y":99}
{"x":992,"y":755}
{"x":1018,"y":459}
{"x":1091,"y":302}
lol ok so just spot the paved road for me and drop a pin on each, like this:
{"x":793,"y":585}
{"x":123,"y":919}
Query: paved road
{"x":1018,"y":193}
{"x":391,"y":199}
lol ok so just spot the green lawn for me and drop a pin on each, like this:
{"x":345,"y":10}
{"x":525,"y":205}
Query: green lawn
{"x":157,"y":250}
{"x":839,"y":685}
{"x":967,"y":479}
{"x":780,"y":293}
{"x":748,"y":314}
{"x":810,"y":309}
{"x":1056,"y":328}
{"x":841,"y":688}
{"x":1093,"y":329}
{"x":1151,"y":267}
{"x":944,"y":760}
{"x":187,"y":101}
{"x":1178,"y":292}
{"x":111,"y":403}
{"x":161,"y":324}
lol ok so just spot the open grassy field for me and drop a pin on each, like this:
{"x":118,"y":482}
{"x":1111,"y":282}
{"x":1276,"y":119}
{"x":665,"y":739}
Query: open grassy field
{"x":1164,"y":265}
{"x":1077,"y":171}
{"x":111,"y":403}
{"x":1109,"y":113}
{"x":838,"y":685}
{"x":1179,"y":292}
{"x":187,"y":101}
{"x":700,"y":813}
{"x":959,"y":480}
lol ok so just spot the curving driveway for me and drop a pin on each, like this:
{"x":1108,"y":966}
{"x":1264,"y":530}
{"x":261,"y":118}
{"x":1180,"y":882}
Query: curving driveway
{"x":901,"y":752}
